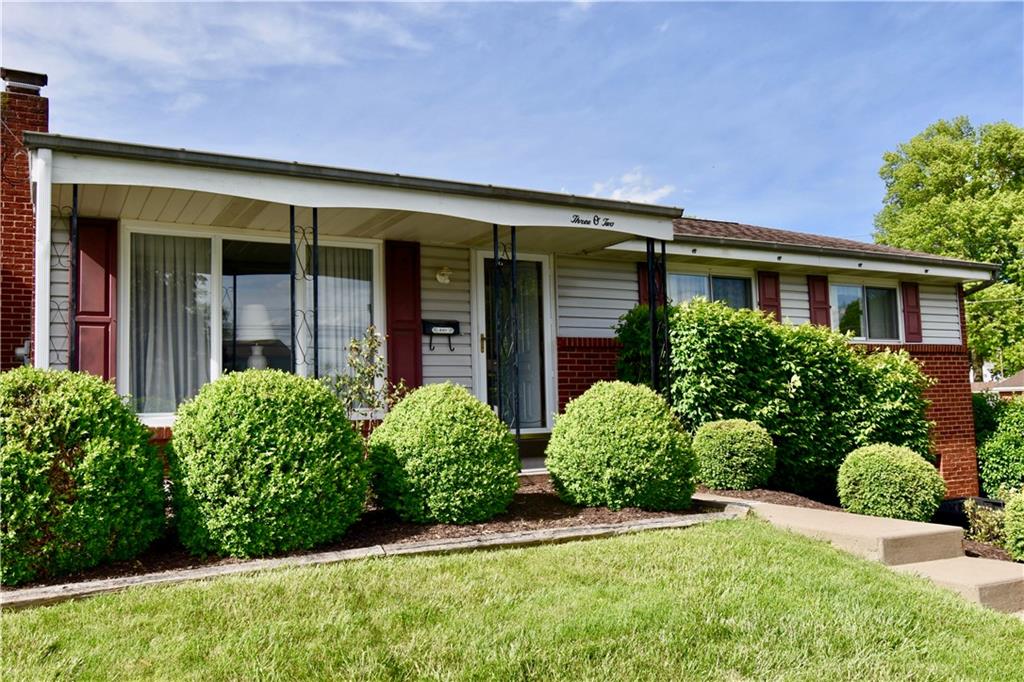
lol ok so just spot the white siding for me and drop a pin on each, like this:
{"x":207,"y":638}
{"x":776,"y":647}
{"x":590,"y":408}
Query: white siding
{"x":796,"y":307}
{"x":592,"y":294}
{"x":940,"y":314}
{"x":447,"y":302}
{"x":60,"y":259}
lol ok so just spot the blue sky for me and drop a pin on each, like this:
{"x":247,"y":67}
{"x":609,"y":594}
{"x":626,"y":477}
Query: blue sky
{"x":774,"y":114}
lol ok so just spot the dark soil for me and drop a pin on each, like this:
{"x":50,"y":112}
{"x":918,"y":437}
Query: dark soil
{"x":986,"y":550}
{"x":535,"y":506}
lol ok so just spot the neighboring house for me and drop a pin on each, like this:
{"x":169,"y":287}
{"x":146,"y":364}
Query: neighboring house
{"x":1009,"y":387}
{"x":185,"y":265}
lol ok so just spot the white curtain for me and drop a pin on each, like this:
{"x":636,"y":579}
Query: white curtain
{"x":345,"y":304}
{"x":170,"y":320}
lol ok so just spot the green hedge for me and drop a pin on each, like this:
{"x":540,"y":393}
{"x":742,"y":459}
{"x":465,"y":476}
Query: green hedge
{"x":79,"y":482}
{"x":619,"y":445}
{"x":816,"y":394}
{"x":891,"y":481}
{"x":1001,"y":457}
{"x":264,"y":462}
{"x":1013,"y":525}
{"x":441,"y":455}
{"x":988,"y":410}
{"x":733,"y":454}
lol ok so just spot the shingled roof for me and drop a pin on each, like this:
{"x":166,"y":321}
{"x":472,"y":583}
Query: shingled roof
{"x":720,"y":231}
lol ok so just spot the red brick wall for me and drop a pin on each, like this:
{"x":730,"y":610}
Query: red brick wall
{"x":20,"y":112}
{"x":581,"y":363}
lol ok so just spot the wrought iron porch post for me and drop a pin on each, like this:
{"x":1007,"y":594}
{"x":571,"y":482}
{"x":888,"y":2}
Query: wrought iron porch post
{"x":514,"y":312}
{"x":666,"y":342}
{"x":291,"y":272}
{"x":316,"y":295}
{"x":73,"y":284}
{"x":493,"y":343}
{"x":652,"y":309}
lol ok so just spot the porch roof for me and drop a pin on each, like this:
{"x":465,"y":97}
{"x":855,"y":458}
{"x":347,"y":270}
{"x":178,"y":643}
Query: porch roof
{"x":104,"y":162}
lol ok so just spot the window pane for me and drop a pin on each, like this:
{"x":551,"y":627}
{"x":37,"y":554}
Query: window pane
{"x":882,"y":323}
{"x":682,"y":288}
{"x":257,"y":306}
{"x":345,"y":305}
{"x":733,"y":291}
{"x":849,"y":309}
{"x":169,"y":341}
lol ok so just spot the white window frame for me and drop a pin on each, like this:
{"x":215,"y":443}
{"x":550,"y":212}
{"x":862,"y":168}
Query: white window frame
{"x":863,"y":282}
{"x":718,"y":271}
{"x":216,"y":235}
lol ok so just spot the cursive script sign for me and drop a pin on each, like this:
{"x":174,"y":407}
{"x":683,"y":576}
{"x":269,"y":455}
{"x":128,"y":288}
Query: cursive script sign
{"x":595,"y":220}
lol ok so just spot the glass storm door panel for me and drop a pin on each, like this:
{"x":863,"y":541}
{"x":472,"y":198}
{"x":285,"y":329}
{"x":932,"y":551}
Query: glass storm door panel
{"x":257,"y":306}
{"x":500,"y":331}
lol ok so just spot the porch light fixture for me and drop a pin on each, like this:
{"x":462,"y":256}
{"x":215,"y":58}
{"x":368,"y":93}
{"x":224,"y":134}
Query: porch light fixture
{"x":444,"y":275}
{"x":255,"y":328}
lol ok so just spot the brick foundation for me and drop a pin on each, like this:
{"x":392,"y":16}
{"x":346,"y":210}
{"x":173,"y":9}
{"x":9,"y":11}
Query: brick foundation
{"x":583,"y":362}
{"x":20,"y":111}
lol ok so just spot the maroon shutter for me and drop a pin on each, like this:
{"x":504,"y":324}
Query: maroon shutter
{"x":96,"y":298}
{"x":402,"y":289}
{"x":911,"y":312}
{"x":817,"y":294}
{"x":641,"y":276}
{"x":769,"y":297}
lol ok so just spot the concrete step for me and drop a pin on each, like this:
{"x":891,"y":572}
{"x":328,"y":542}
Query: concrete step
{"x":890,"y":541}
{"x":999,"y":585}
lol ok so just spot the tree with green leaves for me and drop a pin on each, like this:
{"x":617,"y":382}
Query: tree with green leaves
{"x":956,"y":190}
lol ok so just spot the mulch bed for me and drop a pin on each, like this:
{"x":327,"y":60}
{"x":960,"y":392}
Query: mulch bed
{"x":536,"y":506}
{"x":984,"y":550}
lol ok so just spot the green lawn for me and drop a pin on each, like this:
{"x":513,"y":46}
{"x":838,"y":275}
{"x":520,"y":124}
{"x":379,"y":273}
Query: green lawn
{"x":732,"y":600}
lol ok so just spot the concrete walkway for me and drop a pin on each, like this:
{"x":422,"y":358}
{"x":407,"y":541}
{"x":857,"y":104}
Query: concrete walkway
{"x":929,"y":550}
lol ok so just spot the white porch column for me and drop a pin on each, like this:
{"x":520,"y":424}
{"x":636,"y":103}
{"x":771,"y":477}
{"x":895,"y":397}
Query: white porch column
{"x":41,"y":162}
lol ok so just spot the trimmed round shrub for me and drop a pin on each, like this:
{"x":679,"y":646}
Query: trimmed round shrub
{"x":1013,"y":525}
{"x":264,"y":462}
{"x":442,"y":456}
{"x":80,"y":483}
{"x":1001,"y":457}
{"x":891,"y":481}
{"x":619,"y":445}
{"x":733,"y":454}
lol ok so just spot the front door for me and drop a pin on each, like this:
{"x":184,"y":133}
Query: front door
{"x":497,"y":379}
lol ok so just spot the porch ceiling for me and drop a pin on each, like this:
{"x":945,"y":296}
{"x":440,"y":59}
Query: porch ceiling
{"x":210,"y":210}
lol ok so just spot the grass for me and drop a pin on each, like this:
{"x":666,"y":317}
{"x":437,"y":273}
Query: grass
{"x":731,"y":600}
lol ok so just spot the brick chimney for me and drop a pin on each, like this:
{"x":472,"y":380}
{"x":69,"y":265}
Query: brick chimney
{"x":22,"y":108}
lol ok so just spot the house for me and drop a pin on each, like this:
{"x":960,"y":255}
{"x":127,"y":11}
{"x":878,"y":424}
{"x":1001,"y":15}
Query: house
{"x":184,"y":265}
{"x":1007,"y":387}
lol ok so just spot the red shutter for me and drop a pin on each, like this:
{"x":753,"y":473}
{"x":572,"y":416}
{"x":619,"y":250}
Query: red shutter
{"x":911,"y":312}
{"x":96,"y":298}
{"x":405,"y":335}
{"x":641,"y":276}
{"x":769,"y":297}
{"x":817,"y":294}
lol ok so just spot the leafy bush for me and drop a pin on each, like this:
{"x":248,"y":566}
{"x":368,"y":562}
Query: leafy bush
{"x":984,"y":524}
{"x":892,"y":481}
{"x":816,"y":394}
{"x":443,"y":456}
{"x":988,"y":410}
{"x":264,"y":462}
{"x":80,"y":483}
{"x":894,"y":402}
{"x":634,"y":333}
{"x":1013,"y":525}
{"x":733,"y":454}
{"x":619,"y":445}
{"x":1001,"y":458}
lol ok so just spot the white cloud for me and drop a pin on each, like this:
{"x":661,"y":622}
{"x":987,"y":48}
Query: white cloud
{"x":142,"y":49}
{"x":633,"y":185}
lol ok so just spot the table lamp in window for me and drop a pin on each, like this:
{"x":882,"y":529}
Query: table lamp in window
{"x":254,"y":327}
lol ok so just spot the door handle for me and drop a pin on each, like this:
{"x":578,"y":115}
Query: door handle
{"x":483,"y":343}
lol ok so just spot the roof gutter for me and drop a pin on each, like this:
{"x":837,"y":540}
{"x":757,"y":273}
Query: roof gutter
{"x":138,"y":152}
{"x":851,"y":253}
